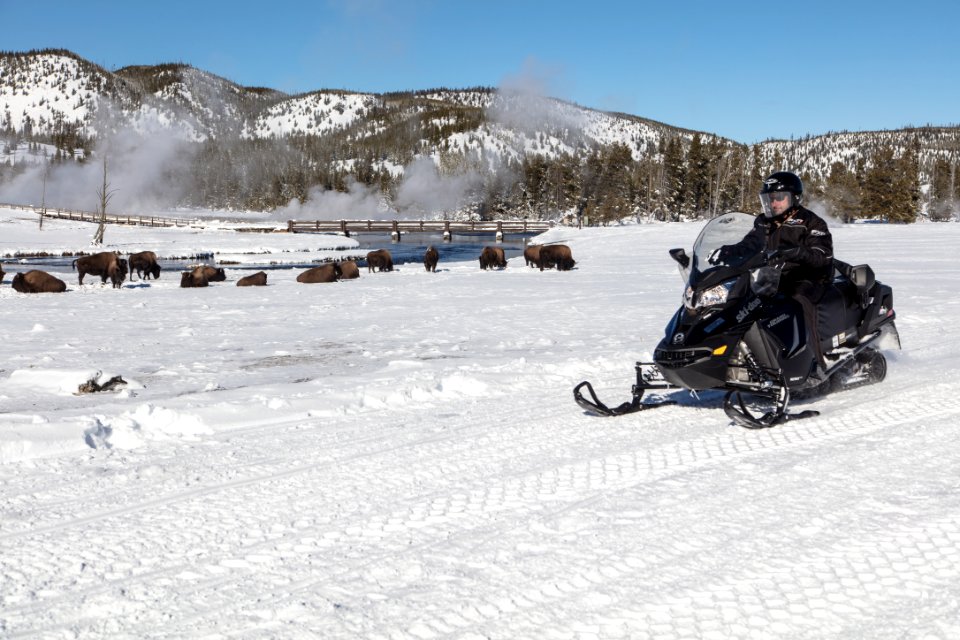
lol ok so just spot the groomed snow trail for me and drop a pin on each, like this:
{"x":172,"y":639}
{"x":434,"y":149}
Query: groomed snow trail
{"x":400,"y":457}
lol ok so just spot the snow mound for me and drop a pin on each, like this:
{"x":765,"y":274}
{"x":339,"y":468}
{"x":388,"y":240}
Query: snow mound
{"x":147,"y":422}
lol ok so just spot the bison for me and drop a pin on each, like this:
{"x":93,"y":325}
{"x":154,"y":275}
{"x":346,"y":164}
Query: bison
{"x":144,"y":264}
{"x":349,"y":270}
{"x":213,"y":274}
{"x":1,"y":273}
{"x":36,"y":281}
{"x":556,"y":255}
{"x":379,"y":260}
{"x":258,"y":279}
{"x":196,"y":277}
{"x":105,"y":264}
{"x":492,"y":257}
{"x":324,"y":273}
{"x":532,"y":255}
{"x":430,"y":259}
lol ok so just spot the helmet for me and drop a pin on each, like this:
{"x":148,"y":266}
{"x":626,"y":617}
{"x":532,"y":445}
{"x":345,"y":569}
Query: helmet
{"x":781,"y":182}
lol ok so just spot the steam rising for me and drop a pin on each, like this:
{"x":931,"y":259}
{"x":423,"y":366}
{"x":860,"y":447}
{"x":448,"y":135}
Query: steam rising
{"x":141,"y":173}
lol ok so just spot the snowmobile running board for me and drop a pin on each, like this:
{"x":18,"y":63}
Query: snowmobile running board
{"x":649,"y":380}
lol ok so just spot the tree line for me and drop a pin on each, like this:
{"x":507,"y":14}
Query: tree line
{"x":685,"y":176}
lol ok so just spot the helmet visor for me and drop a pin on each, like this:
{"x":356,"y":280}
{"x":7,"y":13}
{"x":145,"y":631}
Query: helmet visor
{"x":775,"y":203}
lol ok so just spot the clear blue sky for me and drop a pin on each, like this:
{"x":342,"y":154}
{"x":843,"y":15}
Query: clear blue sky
{"x":748,"y":70}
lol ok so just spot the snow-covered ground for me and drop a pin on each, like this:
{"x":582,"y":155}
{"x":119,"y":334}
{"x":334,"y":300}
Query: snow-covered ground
{"x":400,"y":456}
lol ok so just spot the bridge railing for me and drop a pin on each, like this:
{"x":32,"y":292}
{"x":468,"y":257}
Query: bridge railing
{"x":397,"y":227}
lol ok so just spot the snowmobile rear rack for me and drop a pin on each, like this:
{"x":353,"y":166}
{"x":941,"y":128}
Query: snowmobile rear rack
{"x":651,"y":378}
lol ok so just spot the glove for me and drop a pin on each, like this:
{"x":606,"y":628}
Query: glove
{"x":790,"y":254}
{"x":718,"y":255}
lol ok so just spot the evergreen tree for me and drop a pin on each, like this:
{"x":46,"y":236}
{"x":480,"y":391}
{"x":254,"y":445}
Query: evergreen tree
{"x":943,"y":190}
{"x":696,"y":183}
{"x":673,"y":175}
{"x":842,"y":192}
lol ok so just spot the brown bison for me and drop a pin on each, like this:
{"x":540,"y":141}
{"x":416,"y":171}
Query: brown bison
{"x":324,"y":273}
{"x":144,"y":264}
{"x":258,"y":279}
{"x":105,"y":264}
{"x":349,"y":270}
{"x":196,"y":277}
{"x":38,"y":282}
{"x":532,"y":255}
{"x":379,"y":260}
{"x":430,"y":259}
{"x":213,"y":274}
{"x":492,"y":258}
{"x":556,"y":255}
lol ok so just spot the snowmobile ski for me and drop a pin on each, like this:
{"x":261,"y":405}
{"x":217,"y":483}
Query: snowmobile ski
{"x":648,"y":377}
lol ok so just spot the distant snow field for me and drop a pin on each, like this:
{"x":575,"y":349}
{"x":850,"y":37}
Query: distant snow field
{"x":400,"y":456}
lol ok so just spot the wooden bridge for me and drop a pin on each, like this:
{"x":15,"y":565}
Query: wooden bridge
{"x":397,"y":227}
{"x":394,"y":227}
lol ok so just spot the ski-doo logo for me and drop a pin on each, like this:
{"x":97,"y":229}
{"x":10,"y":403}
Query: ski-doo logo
{"x":778,"y":320}
{"x":817,"y":232}
{"x":678,"y":338}
{"x":750,"y":306}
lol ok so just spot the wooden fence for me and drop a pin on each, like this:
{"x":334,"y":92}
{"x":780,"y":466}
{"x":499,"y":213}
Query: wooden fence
{"x":90,"y":216}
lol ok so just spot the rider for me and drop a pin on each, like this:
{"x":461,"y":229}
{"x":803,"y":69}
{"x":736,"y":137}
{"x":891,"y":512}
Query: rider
{"x":795,"y":237}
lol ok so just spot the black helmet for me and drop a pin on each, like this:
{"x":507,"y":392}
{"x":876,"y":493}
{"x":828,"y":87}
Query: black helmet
{"x":781,"y":182}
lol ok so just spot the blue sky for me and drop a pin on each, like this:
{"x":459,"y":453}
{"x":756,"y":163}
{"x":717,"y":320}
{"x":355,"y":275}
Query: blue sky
{"x":748,"y":71}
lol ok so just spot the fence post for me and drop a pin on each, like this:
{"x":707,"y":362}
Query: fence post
{"x":499,"y":231}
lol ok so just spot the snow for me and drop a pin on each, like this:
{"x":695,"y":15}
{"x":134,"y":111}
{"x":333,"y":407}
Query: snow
{"x":400,"y":456}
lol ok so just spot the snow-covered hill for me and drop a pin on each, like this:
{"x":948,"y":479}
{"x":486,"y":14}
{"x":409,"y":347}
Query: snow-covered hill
{"x":400,"y":456}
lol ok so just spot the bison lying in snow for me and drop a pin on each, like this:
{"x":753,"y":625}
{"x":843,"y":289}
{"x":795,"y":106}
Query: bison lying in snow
{"x":556,"y":255}
{"x":105,"y":264}
{"x":213,"y":274}
{"x":532,"y":255}
{"x":379,"y":260}
{"x":349,"y":270}
{"x":324,"y":273}
{"x":144,"y":264}
{"x":430,"y":259}
{"x":36,"y":281}
{"x":258,"y":279}
{"x":492,"y":257}
{"x":194,"y":278}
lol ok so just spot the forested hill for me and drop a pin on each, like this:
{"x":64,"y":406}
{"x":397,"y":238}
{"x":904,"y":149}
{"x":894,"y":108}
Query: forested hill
{"x":476,"y":152}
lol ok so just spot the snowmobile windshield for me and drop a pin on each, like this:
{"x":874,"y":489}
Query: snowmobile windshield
{"x":718,"y":247}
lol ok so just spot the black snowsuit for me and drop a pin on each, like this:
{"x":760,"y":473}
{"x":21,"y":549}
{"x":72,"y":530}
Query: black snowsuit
{"x":809,"y":267}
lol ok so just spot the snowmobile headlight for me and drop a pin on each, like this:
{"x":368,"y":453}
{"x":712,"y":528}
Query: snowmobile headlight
{"x":711,"y":297}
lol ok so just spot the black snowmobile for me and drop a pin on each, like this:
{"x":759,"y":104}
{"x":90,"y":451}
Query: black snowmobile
{"x":734,"y":332}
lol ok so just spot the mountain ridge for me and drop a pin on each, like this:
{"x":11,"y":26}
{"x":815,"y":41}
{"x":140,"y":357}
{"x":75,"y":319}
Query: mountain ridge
{"x":330,"y":139}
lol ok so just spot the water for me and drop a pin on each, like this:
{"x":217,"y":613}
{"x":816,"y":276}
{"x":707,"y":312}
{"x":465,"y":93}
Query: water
{"x":409,"y":250}
{"x":462,"y":248}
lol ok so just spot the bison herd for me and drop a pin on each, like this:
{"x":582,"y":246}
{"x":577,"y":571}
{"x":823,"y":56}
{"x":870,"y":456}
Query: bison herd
{"x":110,"y":265}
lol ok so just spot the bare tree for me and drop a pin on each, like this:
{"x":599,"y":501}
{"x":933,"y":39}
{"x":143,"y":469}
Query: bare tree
{"x":43,"y":196}
{"x":104,"y":193}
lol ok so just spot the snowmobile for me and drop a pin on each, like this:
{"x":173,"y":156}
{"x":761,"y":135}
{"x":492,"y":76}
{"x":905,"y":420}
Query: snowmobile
{"x":736,"y":333}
